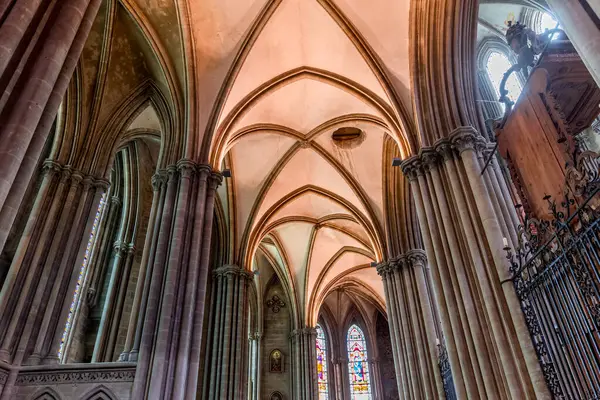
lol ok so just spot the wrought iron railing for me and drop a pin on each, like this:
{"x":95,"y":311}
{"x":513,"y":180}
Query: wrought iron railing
{"x":446,"y":373}
{"x":556,"y":273}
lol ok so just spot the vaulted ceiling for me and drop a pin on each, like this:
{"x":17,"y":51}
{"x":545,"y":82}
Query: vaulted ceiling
{"x":258,"y":87}
{"x":314,"y":207}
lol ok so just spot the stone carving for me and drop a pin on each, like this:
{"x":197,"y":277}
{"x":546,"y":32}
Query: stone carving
{"x":30,"y":378}
{"x":275,"y":304}
{"x":276,"y":361}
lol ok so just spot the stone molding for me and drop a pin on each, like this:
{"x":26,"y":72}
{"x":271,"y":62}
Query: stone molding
{"x":77,"y":177}
{"x":234,"y":270}
{"x":186,"y":169}
{"x":460,"y":140}
{"x":83,"y":375}
{"x":411,"y":259}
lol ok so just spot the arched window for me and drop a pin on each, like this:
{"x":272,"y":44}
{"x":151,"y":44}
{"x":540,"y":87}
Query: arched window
{"x":358,"y":368}
{"x":546,"y":22}
{"x":84,"y":264}
{"x":322,"y":364}
{"x":497,"y":64}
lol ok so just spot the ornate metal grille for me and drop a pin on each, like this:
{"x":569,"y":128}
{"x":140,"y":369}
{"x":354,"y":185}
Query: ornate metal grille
{"x":556,"y":276}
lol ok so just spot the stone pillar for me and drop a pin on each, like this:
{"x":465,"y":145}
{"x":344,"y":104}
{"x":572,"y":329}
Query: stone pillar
{"x":159,"y":181}
{"x":304,"y":364}
{"x":39,"y":50}
{"x":38,"y":290}
{"x":227,"y":345}
{"x":462,"y":232}
{"x":113,"y":303}
{"x":412,"y":330}
{"x":581,"y":29}
{"x":173,"y":313}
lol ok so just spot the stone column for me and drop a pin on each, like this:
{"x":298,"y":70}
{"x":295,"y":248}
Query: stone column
{"x":111,"y":310}
{"x":48,"y":52}
{"x":304,"y":364}
{"x":159,"y":181}
{"x":412,"y":330}
{"x":173,"y":313}
{"x":462,"y":233}
{"x":141,"y":289}
{"x":581,"y":29}
{"x":227,"y":344}
{"x":38,"y":291}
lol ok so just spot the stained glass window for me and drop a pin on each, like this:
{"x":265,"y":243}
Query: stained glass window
{"x":84,"y":264}
{"x":358,"y":368}
{"x":497,"y":65}
{"x":322,"y":364}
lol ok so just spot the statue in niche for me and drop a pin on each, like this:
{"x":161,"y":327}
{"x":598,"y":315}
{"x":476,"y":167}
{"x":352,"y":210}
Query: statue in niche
{"x":276,"y":396}
{"x":276,"y":361}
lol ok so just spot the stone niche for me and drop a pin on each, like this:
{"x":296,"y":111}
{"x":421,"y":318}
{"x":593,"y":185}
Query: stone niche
{"x":275,"y":378}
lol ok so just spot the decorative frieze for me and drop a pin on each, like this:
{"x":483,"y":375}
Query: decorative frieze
{"x":30,"y":378}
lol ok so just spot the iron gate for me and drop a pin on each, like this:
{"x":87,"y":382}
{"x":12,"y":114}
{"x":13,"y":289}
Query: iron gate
{"x":556,"y":276}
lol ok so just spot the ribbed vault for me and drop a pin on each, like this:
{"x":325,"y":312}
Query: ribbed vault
{"x":314,"y":207}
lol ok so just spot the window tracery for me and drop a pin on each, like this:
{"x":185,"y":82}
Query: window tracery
{"x":358,"y":368}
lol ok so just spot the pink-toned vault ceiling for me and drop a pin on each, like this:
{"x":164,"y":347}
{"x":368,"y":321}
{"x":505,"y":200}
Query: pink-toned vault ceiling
{"x":277,"y":78}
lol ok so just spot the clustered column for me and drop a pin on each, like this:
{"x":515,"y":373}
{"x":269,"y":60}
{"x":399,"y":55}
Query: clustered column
{"x":171,"y":307}
{"x":227,"y":346}
{"x":412,"y":330}
{"x":304,"y":364}
{"x":38,"y":290}
{"x":463,"y":218}
{"x":40,"y":45}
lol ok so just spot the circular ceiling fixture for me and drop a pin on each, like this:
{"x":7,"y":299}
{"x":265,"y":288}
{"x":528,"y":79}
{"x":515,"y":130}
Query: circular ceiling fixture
{"x":348,"y":137}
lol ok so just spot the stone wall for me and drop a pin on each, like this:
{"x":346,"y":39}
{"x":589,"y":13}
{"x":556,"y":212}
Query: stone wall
{"x":276,"y":332}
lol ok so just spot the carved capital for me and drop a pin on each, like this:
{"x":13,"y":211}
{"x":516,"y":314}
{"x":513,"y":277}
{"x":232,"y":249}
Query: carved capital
{"x":172,"y":173}
{"x":51,"y":167}
{"x":411,"y":168}
{"x":383,"y":269}
{"x":204,"y":171}
{"x":232,"y":270}
{"x":159,"y":179}
{"x":102,"y":183}
{"x":76,"y":178}
{"x":444,"y":149}
{"x":464,"y":138}
{"x":115,"y":200}
{"x":430,"y":158}
{"x":416,"y":258}
{"x":215,"y":180}
{"x":186,"y":168}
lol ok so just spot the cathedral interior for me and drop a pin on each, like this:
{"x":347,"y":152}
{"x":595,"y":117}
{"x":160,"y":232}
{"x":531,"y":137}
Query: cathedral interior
{"x":299,"y":199}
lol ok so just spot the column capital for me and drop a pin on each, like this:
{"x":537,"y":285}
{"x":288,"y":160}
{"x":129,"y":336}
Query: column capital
{"x":416,"y":258}
{"x":120,"y":247}
{"x":51,"y":166}
{"x":429,"y":157}
{"x":444,"y":148}
{"x":464,"y":138}
{"x":101,"y":183}
{"x":159,"y":179}
{"x":411,"y":167}
{"x":187,"y":168}
{"x":234,"y":270}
